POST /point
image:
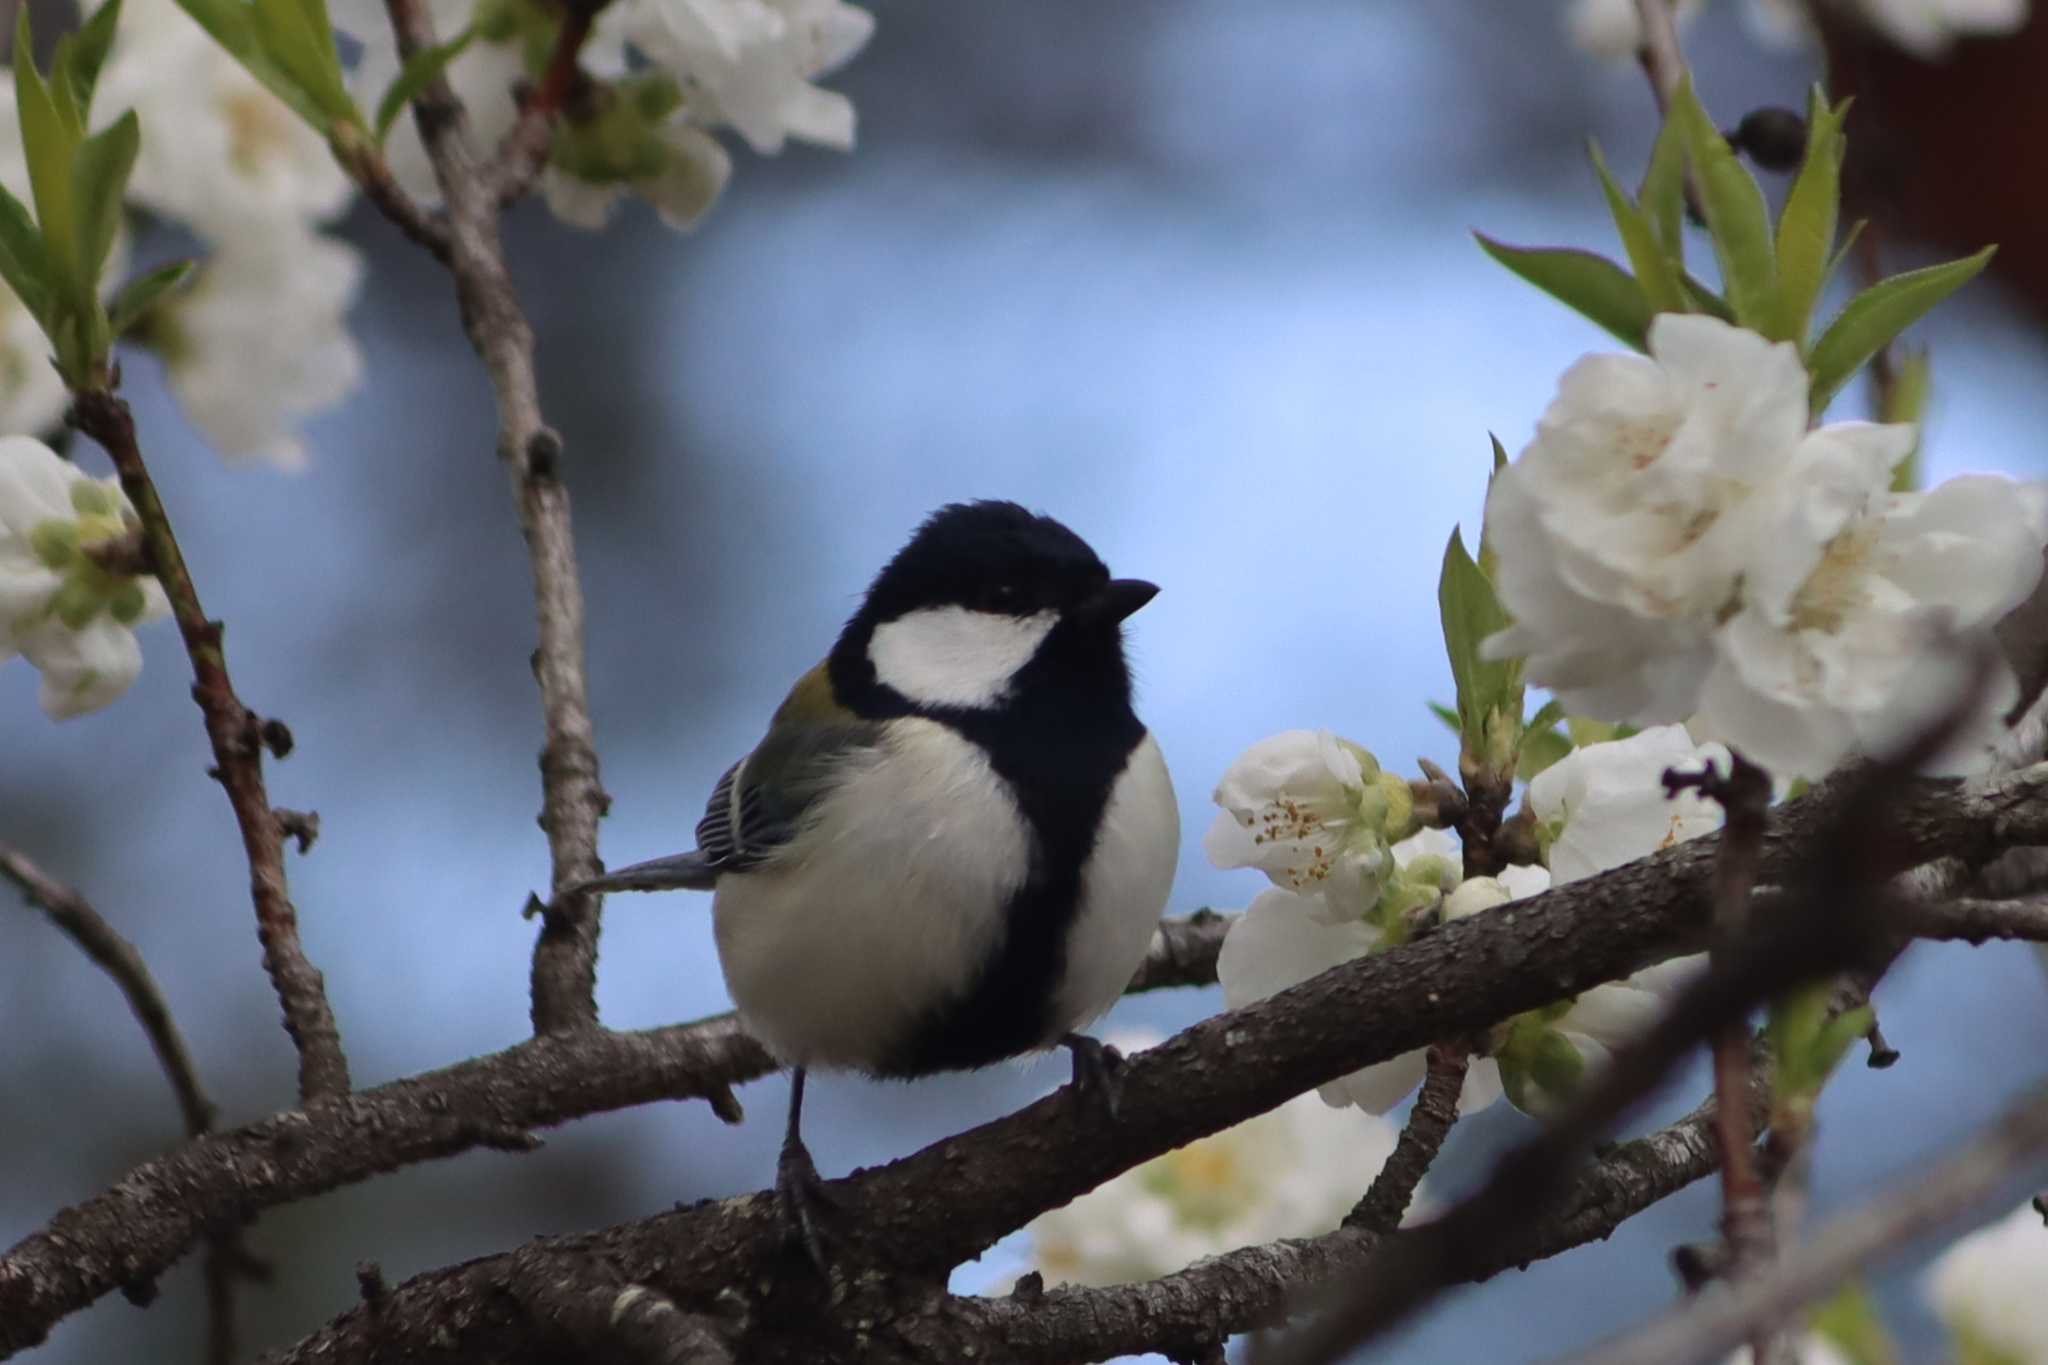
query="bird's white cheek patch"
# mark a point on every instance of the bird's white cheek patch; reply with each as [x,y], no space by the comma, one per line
[950,656]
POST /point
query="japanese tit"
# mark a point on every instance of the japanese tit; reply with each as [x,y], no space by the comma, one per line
[955,840]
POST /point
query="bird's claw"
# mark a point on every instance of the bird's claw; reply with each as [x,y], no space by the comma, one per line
[801,1193]
[1098,1072]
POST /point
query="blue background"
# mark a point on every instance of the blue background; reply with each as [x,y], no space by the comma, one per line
[1194,277]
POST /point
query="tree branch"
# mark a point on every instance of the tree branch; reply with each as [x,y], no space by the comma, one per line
[137,1229]
[1707,1327]
[565,957]
[1422,1137]
[1662,60]
[236,735]
[524,151]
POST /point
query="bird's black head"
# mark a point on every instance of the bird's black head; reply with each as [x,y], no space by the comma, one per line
[987,601]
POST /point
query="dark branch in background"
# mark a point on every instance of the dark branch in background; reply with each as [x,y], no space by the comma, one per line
[1710,1326]
[1422,1137]
[1744,795]
[572,800]
[226,1261]
[236,734]
[136,1230]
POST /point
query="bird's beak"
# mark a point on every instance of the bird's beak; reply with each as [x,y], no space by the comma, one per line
[1115,600]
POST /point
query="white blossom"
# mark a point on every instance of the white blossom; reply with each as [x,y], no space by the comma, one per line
[261,341]
[1625,528]
[32,397]
[1314,813]
[1603,805]
[1858,620]
[58,608]
[219,152]
[1987,1288]
[1810,1349]
[484,77]
[1925,28]
[1294,1171]
[1285,938]
[750,63]
[1613,29]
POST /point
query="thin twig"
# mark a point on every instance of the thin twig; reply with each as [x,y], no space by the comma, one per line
[236,735]
[1422,1137]
[366,165]
[1662,60]
[226,1261]
[564,977]
[524,151]
[1977,921]
[1707,1328]
[119,959]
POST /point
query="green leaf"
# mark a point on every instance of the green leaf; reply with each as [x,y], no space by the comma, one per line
[232,24]
[1806,227]
[1445,714]
[86,53]
[1663,193]
[48,144]
[418,74]
[24,261]
[1471,611]
[1489,559]
[1654,271]
[142,294]
[1500,454]
[1705,300]
[1540,749]
[1849,240]
[1877,315]
[1550,714]
[1850,1323]
[99,179]
[1737,217]
[1592,285]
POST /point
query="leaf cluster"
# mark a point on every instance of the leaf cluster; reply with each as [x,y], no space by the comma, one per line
[1772,275]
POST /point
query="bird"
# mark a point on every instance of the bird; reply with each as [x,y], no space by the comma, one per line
[954,843]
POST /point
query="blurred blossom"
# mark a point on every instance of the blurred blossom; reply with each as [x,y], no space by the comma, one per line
[1925,28]
[261,341]
[693,173]
[59,609]
[1811,1349]
[1613,29]
[1987,1288]
[1294,1171]
[219,152]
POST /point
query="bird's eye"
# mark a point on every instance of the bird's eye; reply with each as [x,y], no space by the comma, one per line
[1000,597]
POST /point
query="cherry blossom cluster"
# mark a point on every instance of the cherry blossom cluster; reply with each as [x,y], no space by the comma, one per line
[1600,806]
[1678,544]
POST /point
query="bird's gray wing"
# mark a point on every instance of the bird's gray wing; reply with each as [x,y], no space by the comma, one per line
[758,806]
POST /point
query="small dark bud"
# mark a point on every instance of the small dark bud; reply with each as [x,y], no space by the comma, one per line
[543,452]
[1774,138]
[1030,1287]
[370,1281]
[277,737]
[141,1293]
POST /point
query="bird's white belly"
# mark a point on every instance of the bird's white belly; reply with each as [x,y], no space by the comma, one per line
[890,904]
[1124,887]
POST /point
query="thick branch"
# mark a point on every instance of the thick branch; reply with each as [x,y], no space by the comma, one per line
[1709,1326]
[137,1229]
[572,800]
[236,735]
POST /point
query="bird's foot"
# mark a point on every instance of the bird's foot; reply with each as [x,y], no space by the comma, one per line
[801,1192]
[1098,1072]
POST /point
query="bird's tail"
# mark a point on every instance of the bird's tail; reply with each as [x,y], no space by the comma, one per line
[677,872]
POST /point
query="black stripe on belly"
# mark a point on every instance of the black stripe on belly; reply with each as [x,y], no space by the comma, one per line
[1061,754]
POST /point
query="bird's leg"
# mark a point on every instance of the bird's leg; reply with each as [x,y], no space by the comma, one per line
[798,1187]
[1098,1072]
